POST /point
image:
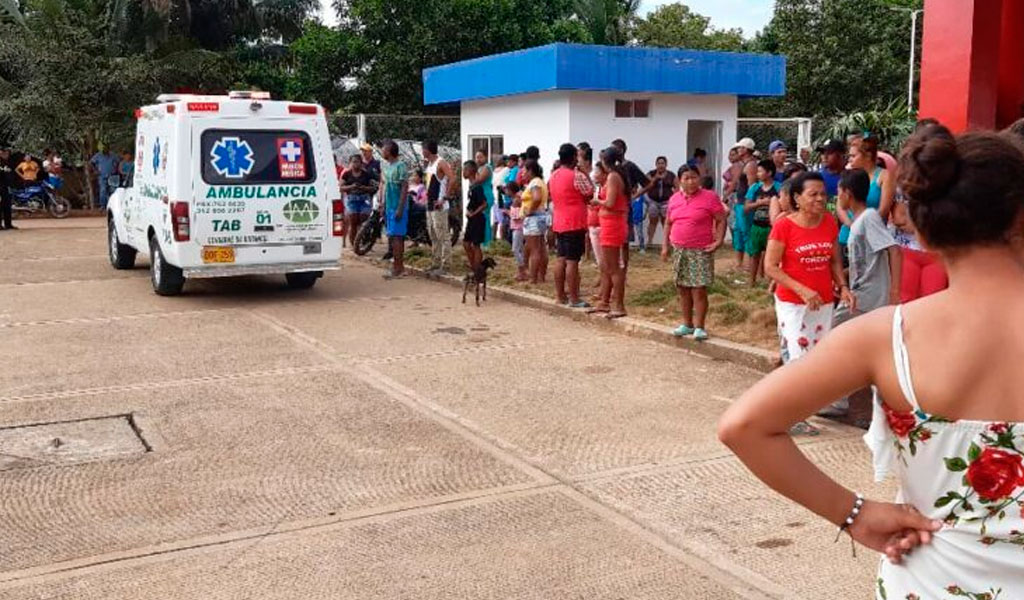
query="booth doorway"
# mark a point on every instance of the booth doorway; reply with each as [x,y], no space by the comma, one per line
[708,136]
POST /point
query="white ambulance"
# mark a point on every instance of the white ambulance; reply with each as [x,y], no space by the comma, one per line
[229,185]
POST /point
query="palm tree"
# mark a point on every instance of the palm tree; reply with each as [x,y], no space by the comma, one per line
[610,22]
[215,23]
[10,11]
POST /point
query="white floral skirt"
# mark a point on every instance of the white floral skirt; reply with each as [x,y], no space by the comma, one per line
[800,329]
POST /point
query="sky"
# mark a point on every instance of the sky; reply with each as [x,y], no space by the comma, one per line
[748,15]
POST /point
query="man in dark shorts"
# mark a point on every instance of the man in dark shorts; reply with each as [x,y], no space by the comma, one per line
[473,237]
[570,190]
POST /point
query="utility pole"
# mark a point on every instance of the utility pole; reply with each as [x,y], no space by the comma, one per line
[913,52]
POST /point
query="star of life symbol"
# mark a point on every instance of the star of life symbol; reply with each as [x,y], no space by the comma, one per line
[156,155]
[232,157]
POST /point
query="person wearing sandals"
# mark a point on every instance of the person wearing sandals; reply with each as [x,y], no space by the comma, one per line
[949,416]
[804,262]
[393,188]
[570,190]
[536,220]
[695,223]
[613,205]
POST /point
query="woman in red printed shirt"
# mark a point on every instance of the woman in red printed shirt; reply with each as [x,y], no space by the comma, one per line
[804,261]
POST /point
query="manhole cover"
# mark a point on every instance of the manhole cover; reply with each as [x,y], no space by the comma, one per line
[66,442]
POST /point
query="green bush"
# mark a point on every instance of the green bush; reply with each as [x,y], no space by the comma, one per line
[719,286]
[655,296]
[731,312]
[499,248]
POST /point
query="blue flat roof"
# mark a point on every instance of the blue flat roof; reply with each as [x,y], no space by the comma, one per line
[606,69]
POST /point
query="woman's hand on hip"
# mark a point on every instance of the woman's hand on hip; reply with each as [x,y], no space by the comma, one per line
[894,530]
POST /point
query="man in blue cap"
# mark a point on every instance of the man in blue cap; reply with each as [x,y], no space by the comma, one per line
[833,163]
[778,152]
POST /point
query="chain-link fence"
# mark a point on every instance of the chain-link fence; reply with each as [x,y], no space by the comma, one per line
[409,131]
[796,132]
[377,128]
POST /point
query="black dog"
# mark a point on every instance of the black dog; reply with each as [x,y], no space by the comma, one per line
[478,277]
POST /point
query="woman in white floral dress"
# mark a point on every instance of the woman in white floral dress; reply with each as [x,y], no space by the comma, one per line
[948,374]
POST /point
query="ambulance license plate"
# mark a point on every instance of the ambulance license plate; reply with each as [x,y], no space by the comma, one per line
[218,254]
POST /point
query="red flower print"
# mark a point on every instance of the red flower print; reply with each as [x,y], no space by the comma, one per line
[996,473]
[901,423]
[803,342]
[819,328]
[803,326]
[924,435]
[954,589]
[998,428]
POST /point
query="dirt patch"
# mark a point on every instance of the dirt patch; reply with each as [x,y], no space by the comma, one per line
[737,312]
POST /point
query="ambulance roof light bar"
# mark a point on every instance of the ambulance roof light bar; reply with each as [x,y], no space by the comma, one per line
[248,95]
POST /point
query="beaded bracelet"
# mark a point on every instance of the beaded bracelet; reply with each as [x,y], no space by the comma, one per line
[848,522]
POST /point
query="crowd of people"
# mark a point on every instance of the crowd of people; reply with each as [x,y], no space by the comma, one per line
[22,169]
[947,418]
[833,240]
[19,170]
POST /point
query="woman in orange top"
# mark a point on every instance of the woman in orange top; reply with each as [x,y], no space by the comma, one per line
[613,204]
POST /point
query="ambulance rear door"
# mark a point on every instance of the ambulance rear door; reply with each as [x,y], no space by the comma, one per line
[257,187]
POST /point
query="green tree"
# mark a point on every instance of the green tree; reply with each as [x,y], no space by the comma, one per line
[394,41]
[10,11]
[675,25]
[64,85]
[609,22]
[842,55]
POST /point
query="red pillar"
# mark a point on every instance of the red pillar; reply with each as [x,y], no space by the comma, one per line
[960,62]
[1011,64]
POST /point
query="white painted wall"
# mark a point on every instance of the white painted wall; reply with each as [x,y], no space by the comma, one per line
[540,120]
[664,133]
[549,119]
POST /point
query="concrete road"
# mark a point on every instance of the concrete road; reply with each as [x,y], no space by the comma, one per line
[370,439]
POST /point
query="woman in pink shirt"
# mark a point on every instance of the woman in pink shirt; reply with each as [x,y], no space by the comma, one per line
[696,228]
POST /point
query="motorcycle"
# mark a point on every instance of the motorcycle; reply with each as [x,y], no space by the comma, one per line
[38,197]
[371,229]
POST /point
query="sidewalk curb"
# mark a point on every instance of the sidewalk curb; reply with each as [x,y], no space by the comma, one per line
[717,349]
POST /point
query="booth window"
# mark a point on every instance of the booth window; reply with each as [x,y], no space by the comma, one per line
[632,109]
[493,147]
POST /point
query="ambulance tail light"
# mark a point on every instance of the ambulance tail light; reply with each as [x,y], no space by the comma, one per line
[337,218]
[302,109]
[180,224]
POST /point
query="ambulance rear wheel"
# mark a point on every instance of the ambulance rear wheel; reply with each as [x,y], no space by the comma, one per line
[168,280]
[303,281]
